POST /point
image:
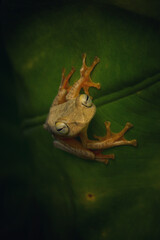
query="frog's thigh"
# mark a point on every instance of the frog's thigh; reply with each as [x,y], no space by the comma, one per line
[74,147]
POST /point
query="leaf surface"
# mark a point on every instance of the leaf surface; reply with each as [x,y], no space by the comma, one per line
[88,200]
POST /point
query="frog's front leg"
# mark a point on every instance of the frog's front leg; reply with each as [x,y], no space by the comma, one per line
[75,147]
[85,81]
[108,141]
[63,88]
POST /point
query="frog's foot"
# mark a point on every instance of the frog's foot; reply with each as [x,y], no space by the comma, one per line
[109,140]
[65,79]
[102,157]
[115,139]
[85,81]
[85,74]
[108,132]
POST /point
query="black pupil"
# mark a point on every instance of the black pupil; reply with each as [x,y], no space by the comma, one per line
[59,129]
[87,98]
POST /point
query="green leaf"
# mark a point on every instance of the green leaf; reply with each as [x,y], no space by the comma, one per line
[68,197]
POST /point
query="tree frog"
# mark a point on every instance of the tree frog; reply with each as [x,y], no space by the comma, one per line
[71,113]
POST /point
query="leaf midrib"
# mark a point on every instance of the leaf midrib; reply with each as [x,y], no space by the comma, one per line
[100,101]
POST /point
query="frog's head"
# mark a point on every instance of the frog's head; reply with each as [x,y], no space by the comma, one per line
[72,117]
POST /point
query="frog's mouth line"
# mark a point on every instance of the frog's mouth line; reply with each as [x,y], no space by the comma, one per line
[100,101]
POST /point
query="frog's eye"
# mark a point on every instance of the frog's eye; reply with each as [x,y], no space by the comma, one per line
[62,128]
[85,100]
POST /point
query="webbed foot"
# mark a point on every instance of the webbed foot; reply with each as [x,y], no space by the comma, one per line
[115,139]
[85,74]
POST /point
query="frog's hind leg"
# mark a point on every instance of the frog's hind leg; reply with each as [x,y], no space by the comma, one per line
[109,140]
[75,147]
[63,88]
[102,157]
[85,81]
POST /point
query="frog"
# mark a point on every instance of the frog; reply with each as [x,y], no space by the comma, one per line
[70,114]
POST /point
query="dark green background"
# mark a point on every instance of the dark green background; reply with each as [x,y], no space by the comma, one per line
[45,192]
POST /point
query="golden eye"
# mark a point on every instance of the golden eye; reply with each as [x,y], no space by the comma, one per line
[85,100]
[62,128]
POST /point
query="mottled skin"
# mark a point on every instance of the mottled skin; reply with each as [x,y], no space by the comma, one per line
[67,108]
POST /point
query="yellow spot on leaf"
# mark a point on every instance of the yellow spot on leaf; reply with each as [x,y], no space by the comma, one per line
[90,197]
